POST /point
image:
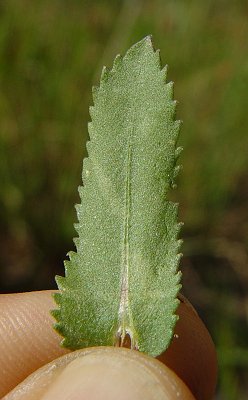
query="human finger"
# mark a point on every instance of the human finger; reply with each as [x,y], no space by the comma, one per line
[192,354]
[103,373]
[29,341]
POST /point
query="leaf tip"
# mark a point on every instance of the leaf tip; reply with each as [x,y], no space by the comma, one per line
[149,39]
[144,45]
[148,42]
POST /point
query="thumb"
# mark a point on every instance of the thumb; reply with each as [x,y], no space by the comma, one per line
[103,373]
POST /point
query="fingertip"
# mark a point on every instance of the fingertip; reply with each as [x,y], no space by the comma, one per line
[103,373]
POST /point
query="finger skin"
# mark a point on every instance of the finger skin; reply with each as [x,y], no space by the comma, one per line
[103,373]
[29,342]
[192,354]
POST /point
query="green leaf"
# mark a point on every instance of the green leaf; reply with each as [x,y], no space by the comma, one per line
[122,282]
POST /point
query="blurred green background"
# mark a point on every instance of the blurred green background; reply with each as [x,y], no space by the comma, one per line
[51,53]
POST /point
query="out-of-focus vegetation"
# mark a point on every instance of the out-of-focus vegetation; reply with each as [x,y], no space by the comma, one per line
[50,55]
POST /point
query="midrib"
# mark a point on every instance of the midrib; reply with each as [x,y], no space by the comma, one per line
[124,313]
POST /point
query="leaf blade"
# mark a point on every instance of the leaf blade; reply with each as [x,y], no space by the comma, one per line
[123,278]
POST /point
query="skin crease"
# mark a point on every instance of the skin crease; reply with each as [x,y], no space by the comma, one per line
[28,342]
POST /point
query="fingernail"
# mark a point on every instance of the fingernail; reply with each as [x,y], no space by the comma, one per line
[107,375]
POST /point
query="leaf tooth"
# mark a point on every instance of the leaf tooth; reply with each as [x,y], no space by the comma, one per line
[60,329]
[172,209]
[179,243]
[91,133]
[170,89]
[174,290]
[174,175]
[78,207]
[67,267]
[104,75]
[175,103]
[117,62]
[95,92]
[176,170]
[79,211]
[67,342]
[86,162]
[180,225]
[158,58]
[67,264]
[92,112]
[178,275]
[176,246]
[88,148]
[178,151]
[86,169]
[89,143]
[177,228]
[76,226]
[70,266]
[76,241]
[175,242]
[179,256]
[61,280]
[57,298]
[81,194]
[177,125]
[173,184]
[171,108]
[72,255]
[164,72]
[56,313]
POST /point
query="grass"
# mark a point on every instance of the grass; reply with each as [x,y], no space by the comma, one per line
[51,54]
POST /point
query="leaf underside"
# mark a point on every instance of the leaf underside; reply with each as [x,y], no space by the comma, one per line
[123,279]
